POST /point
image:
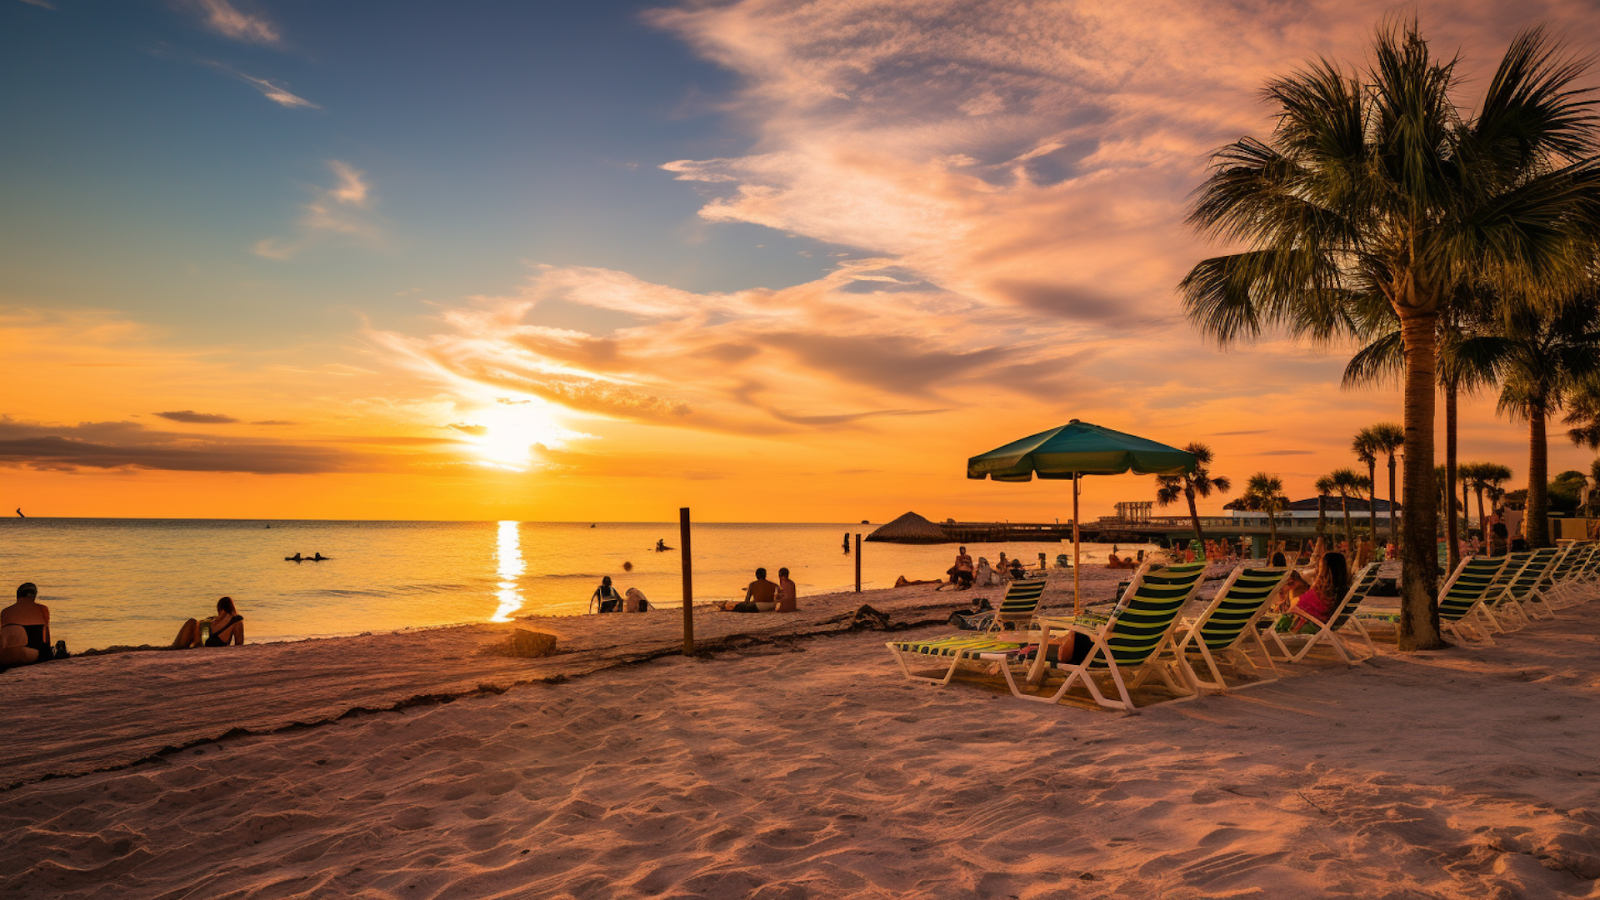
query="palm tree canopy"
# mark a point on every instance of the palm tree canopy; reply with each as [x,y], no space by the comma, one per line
[1373,192]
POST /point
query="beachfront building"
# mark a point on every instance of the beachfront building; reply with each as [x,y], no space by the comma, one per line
[1301,511]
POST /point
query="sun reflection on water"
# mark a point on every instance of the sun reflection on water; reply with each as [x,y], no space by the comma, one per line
[508,565]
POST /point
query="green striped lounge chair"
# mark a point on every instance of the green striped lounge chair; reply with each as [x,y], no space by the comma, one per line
[1345,618]
[1518,599]
[1220,633]
[953,651]
[1461,599]
[1019,606]
[1579,581]
[1126,643]
[1496,595]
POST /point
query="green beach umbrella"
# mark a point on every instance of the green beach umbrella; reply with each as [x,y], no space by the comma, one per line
[1072,451]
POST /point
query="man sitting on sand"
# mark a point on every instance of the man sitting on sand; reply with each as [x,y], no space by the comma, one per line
[960,573]
[760,596]
[786,592]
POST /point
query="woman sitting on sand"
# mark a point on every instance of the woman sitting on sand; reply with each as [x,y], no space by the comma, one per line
[227,627]
[635,601]
[985,575]
[610,601]
[903,581]
[25,630]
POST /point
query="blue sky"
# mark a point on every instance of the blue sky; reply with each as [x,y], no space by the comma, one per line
[144,167]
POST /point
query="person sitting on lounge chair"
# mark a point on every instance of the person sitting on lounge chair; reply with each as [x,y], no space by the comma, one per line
[1318,599]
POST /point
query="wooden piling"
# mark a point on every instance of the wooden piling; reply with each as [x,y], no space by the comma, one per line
[858,562]
[688,582]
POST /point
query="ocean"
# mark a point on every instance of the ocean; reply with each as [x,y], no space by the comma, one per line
[134,581]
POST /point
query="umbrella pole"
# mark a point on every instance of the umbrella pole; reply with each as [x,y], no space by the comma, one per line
[1077,601]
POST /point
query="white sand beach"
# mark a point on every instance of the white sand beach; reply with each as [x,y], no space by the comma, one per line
[791,766]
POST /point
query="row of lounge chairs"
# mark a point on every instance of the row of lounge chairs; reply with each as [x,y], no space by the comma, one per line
[1144,636]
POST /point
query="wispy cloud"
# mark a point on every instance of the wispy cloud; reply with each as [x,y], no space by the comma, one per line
[278,93]
[189,416]
[128,445]
[42,4]
[339,212]
[272,90]
[229,21]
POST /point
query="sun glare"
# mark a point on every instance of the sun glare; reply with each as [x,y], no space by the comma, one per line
[511,429]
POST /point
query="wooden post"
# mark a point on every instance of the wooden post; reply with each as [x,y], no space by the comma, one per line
[858,562]
[1077,562]
[688,583]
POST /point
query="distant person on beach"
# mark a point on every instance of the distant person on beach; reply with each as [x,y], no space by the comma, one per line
[984,576]
[960,573]
[760,596]
[787,595]
[903,581]
[1119,562]
[25,630]
[635,601]
[606,596]
[227,627]
[1017,571]
[661,545]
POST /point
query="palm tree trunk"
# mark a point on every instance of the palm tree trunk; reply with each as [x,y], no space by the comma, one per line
[1466,511]
[1194,516]
[1322,514]
[1536,524]
[1272,529]
[1418,628]
[1349,535]
[1372,500]
[1483,525]
[1392,524]
[1452,535]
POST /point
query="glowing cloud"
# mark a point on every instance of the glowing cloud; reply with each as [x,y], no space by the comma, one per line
[340,212]
[227,20]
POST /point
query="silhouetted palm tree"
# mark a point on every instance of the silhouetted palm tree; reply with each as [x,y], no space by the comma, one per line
[1373,191]
[1264,493]
[1540,358]
[1200,482]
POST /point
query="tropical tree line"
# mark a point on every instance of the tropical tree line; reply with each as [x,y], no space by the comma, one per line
[1457,242]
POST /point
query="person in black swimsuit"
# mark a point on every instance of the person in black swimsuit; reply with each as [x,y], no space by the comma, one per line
[610,601]
[25,630]
[227,627]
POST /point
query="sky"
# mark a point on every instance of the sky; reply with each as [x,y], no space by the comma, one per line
[772,261]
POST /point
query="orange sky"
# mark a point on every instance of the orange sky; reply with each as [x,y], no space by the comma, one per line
[990,203]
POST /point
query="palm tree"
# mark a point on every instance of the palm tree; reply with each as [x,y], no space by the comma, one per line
[1365,447]
[1264,492]
[1200,482]
[1466,473]
[1373,191]
[1324,487]
[1541,359]
[1489,479]
[1388,438]
[1346,482]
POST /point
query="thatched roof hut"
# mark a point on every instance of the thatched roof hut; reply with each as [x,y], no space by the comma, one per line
[910,529]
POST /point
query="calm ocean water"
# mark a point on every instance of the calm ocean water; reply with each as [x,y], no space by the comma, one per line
[133,581]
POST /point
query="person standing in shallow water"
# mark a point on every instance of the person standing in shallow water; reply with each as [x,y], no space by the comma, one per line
[847,542]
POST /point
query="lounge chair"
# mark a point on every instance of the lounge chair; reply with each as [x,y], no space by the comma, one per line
[1461,598]
[1343,615]
[1219,634]
[1017,609]
[1126,643]
[1509,607]
[1577,583]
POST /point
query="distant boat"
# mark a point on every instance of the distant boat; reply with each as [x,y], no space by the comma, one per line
[19,513]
